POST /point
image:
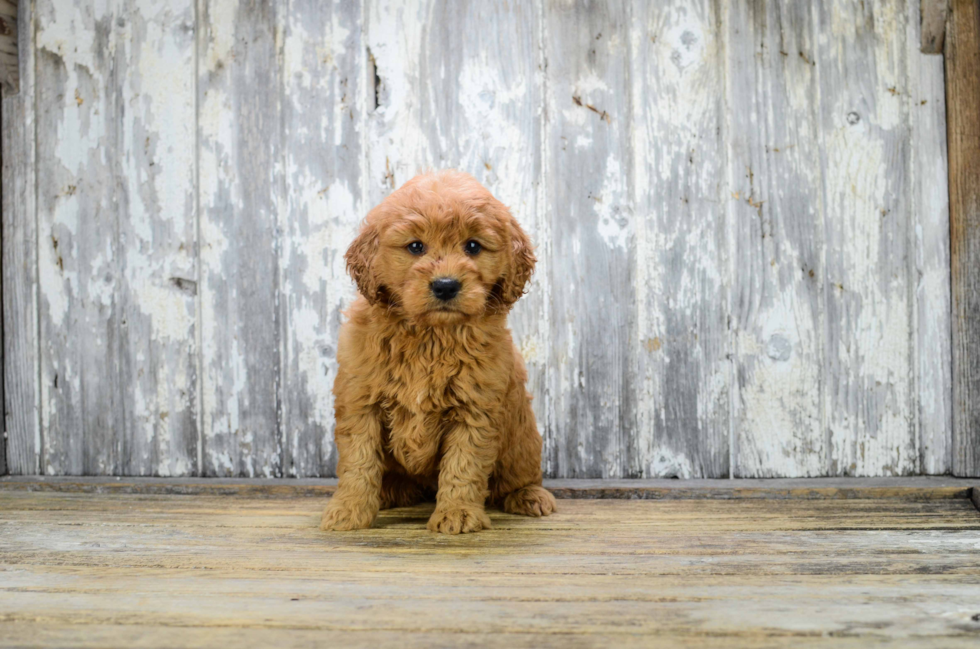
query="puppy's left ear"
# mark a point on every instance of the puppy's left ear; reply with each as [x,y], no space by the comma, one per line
[521,265]
[359,259]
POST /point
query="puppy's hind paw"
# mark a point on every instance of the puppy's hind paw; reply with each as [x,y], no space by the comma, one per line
[458,520]
[532,500]
[341,517]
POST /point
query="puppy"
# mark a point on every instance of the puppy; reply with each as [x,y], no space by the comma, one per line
[429,394]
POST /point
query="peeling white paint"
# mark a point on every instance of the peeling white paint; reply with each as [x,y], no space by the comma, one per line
[670,464]
[686,41]
[613,224]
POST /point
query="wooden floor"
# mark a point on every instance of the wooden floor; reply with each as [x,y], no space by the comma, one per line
[158,570]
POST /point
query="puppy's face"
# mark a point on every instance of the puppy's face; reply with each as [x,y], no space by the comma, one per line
[440,250]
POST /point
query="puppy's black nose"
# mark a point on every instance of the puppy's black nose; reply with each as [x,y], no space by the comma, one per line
[445,288]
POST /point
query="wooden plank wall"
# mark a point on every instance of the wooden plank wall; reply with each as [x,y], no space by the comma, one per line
[739,209]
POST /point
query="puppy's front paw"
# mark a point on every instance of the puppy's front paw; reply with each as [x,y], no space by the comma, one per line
[457,519]
[532,500]
[340,516]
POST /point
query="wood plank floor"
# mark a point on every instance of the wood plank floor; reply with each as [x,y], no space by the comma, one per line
[157,570]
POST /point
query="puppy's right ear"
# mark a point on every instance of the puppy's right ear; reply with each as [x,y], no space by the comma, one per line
[360,257]
[522,264]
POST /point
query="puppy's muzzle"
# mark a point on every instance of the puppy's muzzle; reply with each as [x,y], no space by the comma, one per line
[445,288]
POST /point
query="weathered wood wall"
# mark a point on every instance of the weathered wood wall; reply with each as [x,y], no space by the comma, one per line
[740,210]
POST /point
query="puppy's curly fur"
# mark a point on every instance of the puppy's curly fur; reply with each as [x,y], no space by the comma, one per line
[430,395]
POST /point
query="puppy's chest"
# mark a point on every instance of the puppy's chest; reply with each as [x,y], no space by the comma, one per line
[426,387]
[422,395]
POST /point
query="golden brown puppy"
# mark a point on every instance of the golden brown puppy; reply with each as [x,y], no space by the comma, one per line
[430,394]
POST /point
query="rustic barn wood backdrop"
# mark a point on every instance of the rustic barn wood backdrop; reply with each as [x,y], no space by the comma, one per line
[740,209]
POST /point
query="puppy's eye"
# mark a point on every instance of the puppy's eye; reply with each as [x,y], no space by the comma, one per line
[472,247]
[416,248]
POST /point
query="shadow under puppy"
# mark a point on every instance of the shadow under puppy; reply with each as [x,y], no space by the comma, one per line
[430,395]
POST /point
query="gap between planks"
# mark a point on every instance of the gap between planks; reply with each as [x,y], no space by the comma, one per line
[911,488]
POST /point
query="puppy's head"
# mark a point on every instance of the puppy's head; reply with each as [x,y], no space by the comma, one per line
[441,249]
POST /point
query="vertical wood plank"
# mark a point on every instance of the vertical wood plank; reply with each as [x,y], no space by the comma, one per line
[396,148]
[682,248]
[592,243]
[459,85]
[157,234]
[324,98]
[239,135]
[21,420]
[777,306]
[116,242]
[861,62]
[480,111]
[930,242]
[963,128]
[76,244]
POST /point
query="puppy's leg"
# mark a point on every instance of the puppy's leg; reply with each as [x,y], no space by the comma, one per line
[517,480]
[468,454]
[360,466]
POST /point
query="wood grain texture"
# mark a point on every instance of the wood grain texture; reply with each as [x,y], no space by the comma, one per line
[963,128]
[587,156]
[9,46]
[774,203]
[21,405]
[865,147]
[116,240]
[323,106]
[672,572]
[929,272]
[782,403]
[76,247]
[157,233]
[241,189]
[933,16]
[683,241]
[397,147]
